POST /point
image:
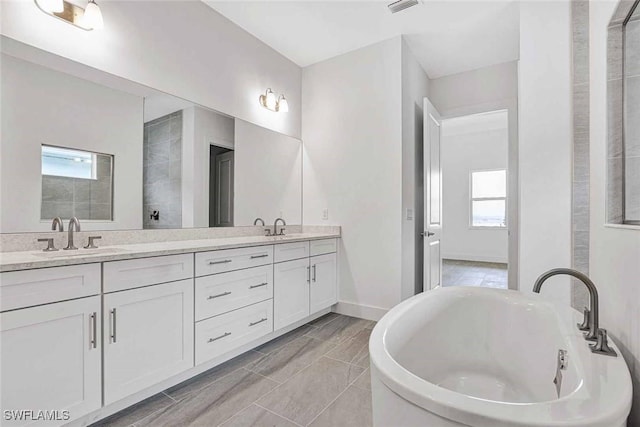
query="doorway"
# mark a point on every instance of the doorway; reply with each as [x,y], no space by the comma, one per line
[475,198]
[221,179]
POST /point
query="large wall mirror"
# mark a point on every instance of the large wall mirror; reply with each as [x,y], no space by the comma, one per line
[78,142]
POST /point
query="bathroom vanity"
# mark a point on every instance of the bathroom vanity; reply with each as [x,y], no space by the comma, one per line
[93,332]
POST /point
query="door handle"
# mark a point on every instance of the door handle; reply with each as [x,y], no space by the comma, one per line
[112,314]
[427,234]
[94,330]
[314,272]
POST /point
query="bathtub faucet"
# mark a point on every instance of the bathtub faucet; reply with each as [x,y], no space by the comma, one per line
[591,315]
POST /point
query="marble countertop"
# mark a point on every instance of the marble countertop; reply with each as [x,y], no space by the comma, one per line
[13,261]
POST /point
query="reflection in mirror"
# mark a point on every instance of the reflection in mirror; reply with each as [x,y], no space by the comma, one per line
[169,162]
[76,183]
[631,98]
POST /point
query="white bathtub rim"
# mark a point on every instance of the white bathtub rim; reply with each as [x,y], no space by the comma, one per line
[577,408]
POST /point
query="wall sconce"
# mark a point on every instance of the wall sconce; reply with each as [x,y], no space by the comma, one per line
[88,19]
[269,101]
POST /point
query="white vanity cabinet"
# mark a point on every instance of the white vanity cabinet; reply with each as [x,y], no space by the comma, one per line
[290,292]
[148,336]
[50,359]
[323,289]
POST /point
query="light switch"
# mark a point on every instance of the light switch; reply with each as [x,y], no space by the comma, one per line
[325,214]
[409,214]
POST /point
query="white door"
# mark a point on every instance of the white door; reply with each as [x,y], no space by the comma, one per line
[290,292]
[323,290]
[51,359]
[432,234]
[148,337]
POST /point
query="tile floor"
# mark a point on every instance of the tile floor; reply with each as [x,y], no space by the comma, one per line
[316,375]
[472,273]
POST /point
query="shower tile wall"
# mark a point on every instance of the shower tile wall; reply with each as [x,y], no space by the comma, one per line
[162,171]
[580,183]
[88,199]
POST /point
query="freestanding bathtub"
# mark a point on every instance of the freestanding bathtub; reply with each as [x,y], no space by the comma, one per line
[467,356]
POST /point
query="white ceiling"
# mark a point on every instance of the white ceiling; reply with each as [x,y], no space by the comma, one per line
[446,36]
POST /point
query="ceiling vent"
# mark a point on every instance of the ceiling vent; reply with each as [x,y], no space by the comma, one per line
[400,5]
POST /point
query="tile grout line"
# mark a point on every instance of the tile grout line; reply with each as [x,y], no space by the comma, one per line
[263,376]
[272,412]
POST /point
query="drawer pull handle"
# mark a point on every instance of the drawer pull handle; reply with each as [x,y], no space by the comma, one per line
[258,286]
[226,334]
[94,330]
[264,319]
[219,295]
[224,261]
[259,256]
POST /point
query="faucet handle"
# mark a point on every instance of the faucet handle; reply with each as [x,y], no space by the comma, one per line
[586,322]
[602,344]
[50,246]
[281,231]
[91,244]
[267,232]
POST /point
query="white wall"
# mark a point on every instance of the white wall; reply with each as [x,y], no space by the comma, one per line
[352,133]
[200,129]
[268,176]
[415,87]
[471,143]
[614,252]
[205,57]
[42,106]
[545,93]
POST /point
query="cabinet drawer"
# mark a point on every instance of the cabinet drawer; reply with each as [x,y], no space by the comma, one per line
[289,251]
[135,273]
[45,285]
[224,292]
[223,333]
[324,246]
[232,259]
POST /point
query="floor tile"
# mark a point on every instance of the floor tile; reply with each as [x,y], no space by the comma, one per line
[215,403]
[304,396]
[351,409]
[354,349]
[323,320]
[472,273]
[198,383]
[364,380]
[283,340]
[255,416]
[282,364]
[340,329]
[137,412]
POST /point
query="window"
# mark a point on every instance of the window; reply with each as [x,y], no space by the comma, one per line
[489,198]
[68,163]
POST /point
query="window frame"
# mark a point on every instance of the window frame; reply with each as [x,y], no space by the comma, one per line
[481,199]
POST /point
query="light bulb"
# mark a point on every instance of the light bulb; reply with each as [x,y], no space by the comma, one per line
[51,6]
[271,102]
[283,105]
[93,16]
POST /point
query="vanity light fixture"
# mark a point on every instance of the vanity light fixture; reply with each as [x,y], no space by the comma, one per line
[269,101]
[89,18]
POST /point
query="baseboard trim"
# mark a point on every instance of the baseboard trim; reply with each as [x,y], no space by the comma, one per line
[478,258]
[360,310]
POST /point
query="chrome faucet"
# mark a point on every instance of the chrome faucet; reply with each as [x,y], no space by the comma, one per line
[73,224]
[57,223]
[259,220]
[275,227]
[591,315]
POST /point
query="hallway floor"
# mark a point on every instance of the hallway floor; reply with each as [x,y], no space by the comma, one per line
[473,273]
[316,375]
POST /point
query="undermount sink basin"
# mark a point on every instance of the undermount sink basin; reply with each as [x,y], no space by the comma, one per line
[80,252]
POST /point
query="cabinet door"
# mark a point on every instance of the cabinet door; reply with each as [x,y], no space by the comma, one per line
[290,292]
[148,335]
[50,359]
[324,290]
